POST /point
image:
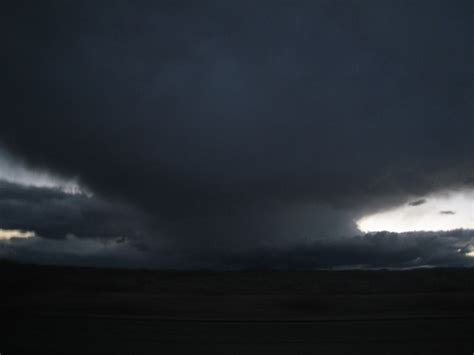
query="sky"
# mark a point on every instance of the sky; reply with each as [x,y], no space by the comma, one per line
[235,134]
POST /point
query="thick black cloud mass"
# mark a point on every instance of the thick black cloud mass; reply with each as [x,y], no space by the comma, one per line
[54,214]
[379,250]
[236,123]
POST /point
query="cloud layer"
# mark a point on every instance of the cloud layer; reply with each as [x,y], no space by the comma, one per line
[53,214]
[378,250]
[233,126]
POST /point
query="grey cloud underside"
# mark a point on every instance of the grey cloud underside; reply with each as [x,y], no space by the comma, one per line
[235,124]
[397,250]
[379,250]
[53,214]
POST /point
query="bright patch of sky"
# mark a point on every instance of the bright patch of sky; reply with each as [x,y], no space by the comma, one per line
[437,212]
[7,234]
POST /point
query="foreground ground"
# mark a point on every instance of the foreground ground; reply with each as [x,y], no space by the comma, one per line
[66,310]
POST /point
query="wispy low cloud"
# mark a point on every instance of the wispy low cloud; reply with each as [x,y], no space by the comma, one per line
[447,212]
[417,202]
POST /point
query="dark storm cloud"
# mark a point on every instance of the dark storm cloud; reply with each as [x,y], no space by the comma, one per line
[114,252]
[417,202]
[397,250]
[222,118]
[378,250]
[53,214]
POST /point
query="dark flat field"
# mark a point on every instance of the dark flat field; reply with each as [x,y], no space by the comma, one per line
[70,310]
